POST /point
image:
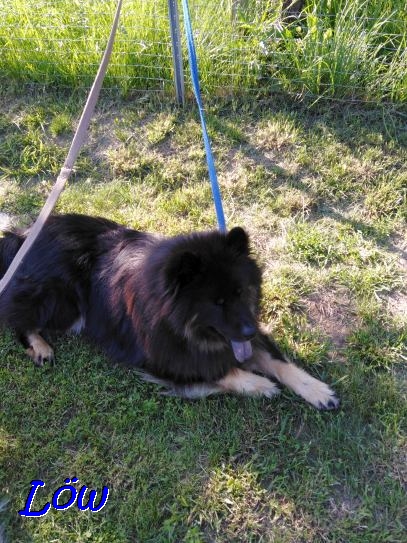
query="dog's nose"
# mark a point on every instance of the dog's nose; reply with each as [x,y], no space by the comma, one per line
[248,331]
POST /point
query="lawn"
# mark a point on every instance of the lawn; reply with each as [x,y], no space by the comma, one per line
[322,191]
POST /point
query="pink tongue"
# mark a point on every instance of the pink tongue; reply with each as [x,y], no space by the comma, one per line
[242,350]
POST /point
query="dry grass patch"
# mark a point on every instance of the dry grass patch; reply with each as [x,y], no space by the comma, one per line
[279,133]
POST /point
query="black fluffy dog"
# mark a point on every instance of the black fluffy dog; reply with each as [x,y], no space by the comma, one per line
[183,309]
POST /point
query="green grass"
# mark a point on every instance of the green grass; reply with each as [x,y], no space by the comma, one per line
[347,49]
[335,48]
[323,196]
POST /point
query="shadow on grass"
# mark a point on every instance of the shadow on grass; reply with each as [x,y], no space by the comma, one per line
[355,128]
[223,469]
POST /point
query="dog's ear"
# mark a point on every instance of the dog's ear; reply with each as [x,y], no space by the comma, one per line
[183,268]
[238,240]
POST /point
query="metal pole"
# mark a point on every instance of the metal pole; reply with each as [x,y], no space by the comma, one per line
[176,52]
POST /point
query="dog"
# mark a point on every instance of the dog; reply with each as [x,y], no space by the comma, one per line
[183,310]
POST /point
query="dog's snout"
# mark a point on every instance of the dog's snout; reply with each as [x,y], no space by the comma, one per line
[248,331]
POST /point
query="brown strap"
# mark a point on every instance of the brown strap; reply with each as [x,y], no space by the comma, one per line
[73,152]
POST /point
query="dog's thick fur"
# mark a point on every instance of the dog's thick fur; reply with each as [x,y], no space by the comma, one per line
[169,306]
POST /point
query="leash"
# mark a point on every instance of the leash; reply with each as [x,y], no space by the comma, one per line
[241,349]
[73,152]
[81,133]
[197,91]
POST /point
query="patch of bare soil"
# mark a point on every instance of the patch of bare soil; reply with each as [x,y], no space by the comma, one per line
[102,137]
[333,314]
[399,466]
[397,305]
[342,505]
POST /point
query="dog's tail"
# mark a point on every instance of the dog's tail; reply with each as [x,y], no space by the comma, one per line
[9,245]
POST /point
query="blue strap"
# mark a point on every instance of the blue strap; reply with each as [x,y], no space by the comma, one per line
[197,91]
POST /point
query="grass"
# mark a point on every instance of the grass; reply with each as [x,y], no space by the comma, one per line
[343,48]
[335,48]
[323,194]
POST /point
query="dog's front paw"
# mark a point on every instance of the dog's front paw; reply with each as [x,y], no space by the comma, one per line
[319,394]
[248,383]
[268,389]
[39,350]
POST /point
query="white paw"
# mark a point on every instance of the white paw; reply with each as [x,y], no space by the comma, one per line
[318,394]
[39,350]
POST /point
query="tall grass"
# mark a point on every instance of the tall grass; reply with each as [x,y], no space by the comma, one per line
[61,42]
[346,49]
[340,48]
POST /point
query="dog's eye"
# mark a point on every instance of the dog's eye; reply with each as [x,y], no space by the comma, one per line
[238,291]
[220,301]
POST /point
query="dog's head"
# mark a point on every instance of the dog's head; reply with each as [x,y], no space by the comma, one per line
[215,284]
